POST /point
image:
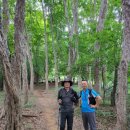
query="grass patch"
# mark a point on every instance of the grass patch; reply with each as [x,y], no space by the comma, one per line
[28,126]
[103,114]
[31,103]
[77,112]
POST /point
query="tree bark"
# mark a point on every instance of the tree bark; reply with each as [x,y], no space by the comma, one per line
[36,72]
[79,81]
[0,18]
[29,55]
[46,45]
[31,73]
[25,79]
[1,67]
[29,59]
[21,48]
[113,93]
[13,82]
[5,28]
[123,70]
[1,75]
[19,39]
[12,108]
[100,27]
[75,28]
[5,21]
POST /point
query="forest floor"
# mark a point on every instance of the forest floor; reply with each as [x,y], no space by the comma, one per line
[42,114]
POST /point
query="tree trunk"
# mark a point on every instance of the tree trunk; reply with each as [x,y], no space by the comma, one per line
[54,50]
[114,86]
[0,17]
[1,67]
[46,45]
[121,95]
[5,21]
[72,30]
[96,75]
[21,48]
[36,78]
[31,74]
[75,28]
[19,39]
[13,82]
[29,58]
[104,81]
[36,72]
[1,75]
[113,93]
[31,71]
[90,74]
[25,80]
[12,108]
[5,28]
[100,27]
[123,70]
[79,81]
[70,33]
[87,72]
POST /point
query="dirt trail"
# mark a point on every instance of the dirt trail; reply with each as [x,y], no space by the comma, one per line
[46,111]
[48,106]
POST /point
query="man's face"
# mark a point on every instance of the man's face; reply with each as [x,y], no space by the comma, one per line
[67,85]
[84,84]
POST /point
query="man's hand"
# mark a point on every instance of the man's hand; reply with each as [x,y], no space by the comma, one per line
[60,101]
[93,106]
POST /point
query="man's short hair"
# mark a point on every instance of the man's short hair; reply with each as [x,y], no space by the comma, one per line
[85,80]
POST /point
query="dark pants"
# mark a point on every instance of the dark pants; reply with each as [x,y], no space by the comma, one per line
[66,116]
[89,119]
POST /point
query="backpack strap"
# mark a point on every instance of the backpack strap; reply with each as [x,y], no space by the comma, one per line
[80,94]
[90,92]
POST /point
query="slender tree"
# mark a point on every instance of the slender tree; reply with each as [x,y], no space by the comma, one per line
[123,70]
[100,27]
[29,57]
[24,74]
[19,40]
[113,93]
[20,48]
[72,31]
[54,47]
[46,45]
[114,90]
